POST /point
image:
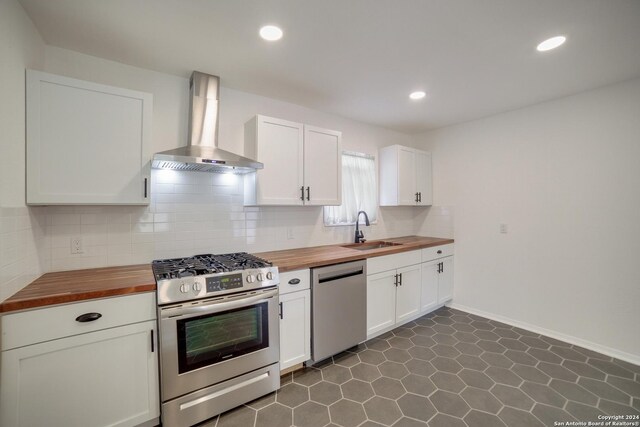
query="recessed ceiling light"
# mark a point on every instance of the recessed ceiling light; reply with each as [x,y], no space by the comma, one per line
[551,43]
[271,33]
[417,95]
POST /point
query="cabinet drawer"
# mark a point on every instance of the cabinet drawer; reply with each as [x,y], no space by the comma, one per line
[286,279]
[31,327]
[391,262]
[436,252]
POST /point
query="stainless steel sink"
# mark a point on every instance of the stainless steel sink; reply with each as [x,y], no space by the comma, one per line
[371,245]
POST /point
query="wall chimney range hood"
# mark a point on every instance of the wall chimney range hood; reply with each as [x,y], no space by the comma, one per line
[202,152]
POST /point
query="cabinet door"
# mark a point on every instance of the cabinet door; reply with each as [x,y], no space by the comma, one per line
[295,328]
[445,280]
[408,293]
[381,301]
[280,148]
[429,296]
[86,143]
[406,176]
[104,378]
[423,178]
[322,167]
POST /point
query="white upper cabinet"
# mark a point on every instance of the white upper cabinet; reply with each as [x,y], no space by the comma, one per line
[301,163]
[86,143]
[405,177]
[322,166]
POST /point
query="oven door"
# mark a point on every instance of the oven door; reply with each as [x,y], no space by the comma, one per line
[206,342]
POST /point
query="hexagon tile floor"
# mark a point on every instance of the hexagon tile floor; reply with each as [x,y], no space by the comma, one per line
[449,368]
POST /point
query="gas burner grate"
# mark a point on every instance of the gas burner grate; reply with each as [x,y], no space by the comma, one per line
[205,264]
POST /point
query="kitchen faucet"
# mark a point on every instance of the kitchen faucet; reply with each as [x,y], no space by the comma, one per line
[359,235]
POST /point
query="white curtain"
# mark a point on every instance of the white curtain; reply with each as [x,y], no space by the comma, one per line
[358,191]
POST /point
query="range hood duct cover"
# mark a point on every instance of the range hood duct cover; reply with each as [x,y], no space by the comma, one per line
[202,153]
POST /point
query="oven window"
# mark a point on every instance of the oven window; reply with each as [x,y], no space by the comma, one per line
[212,338]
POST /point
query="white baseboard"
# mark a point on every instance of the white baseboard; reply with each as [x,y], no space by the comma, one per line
[627,357]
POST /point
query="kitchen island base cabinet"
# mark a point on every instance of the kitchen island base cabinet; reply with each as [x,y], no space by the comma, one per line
[295,318]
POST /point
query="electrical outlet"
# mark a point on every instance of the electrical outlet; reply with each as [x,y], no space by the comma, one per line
[76,245]
[290,233]
[504,228]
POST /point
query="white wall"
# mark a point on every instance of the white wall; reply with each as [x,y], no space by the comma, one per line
[21,230]
[565,177]
[195,212]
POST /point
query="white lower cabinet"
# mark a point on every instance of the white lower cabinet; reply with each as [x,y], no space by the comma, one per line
[295,318]
[106,377]
[408,293]
[404,286]
[437,276]
[429,296]
[393,296]
[445,280]
[381,296]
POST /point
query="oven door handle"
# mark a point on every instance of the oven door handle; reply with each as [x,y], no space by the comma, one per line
[214,307]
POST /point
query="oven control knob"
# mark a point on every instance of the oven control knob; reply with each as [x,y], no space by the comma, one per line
[184,288]
[269,275]
[197,286]
[250,278]
[260,277]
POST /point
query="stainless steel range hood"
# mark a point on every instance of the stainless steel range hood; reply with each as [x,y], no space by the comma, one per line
[201,152]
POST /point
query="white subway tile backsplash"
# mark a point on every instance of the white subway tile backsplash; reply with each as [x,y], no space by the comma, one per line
[189,213]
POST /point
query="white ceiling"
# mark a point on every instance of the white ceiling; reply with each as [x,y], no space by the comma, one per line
[361,58]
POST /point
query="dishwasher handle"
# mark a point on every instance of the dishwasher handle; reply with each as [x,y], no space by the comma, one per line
[340,274]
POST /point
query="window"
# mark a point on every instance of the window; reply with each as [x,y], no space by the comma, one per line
[358,191]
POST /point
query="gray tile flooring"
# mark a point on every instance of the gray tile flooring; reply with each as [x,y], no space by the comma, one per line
[449,368]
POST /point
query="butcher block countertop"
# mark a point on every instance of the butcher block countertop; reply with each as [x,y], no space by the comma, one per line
[317,256]
[77,285]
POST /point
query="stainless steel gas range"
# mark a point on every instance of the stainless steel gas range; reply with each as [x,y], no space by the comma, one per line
[218,326]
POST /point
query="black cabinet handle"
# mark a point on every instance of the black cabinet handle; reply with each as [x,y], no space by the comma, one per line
[145,188]
[294,281]
[400,279]
[308,193]
[420,197]
[439,252]
[153,348]
[281,311]
[395,280]
[416,197]
[88,317]
[302,193]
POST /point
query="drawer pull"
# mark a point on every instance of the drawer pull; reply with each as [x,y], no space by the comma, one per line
[88,317]
[294,281]
[439,252]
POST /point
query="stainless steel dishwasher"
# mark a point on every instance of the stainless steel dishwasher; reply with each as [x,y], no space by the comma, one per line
[339,308]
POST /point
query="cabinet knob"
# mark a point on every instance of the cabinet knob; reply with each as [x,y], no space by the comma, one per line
[294,281]
[439,252]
